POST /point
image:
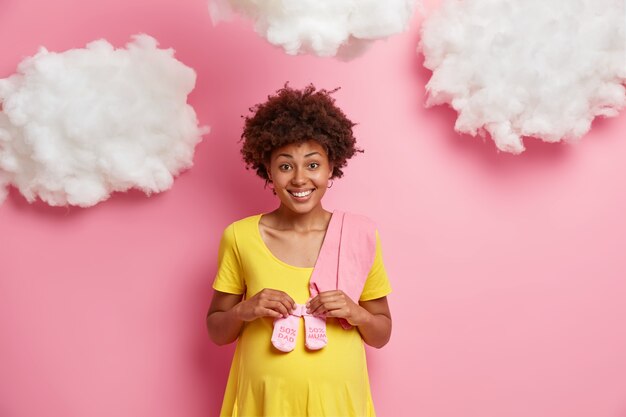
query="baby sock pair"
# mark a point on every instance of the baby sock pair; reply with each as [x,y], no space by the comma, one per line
[286,330]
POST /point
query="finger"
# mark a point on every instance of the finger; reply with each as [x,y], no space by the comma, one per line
[269,294]
[262,311]
[340,313]
[321,308]
[268,312]
[329,307]
[291,304]
[313,301]
[335,305]
[328,298]
[279,307]
[284,298]
[331,293]
[313,308]
[313,304]
[287,306]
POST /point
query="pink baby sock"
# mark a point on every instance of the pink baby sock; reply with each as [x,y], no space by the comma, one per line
[315,331]
[285,332]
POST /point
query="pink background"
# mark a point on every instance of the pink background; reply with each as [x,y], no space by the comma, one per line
[508,271]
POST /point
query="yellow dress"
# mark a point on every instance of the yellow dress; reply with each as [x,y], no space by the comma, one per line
[263,381]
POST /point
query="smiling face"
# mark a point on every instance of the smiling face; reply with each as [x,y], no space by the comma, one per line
[300,174]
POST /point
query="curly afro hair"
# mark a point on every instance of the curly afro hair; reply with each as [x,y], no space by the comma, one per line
[296,116]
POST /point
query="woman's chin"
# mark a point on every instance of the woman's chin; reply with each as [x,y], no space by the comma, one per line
[299,207]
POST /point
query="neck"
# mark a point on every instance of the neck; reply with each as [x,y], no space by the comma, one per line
[315,219]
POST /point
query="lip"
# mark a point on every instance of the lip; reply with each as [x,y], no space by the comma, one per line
[301,199]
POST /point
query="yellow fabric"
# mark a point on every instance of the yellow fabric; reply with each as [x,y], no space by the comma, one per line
[331,382]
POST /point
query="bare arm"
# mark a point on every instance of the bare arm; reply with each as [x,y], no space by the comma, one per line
[375,326]
[372,317]
[228,312]
[222,322]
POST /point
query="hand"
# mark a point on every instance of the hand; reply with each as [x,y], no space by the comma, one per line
[337,304]
[265,303]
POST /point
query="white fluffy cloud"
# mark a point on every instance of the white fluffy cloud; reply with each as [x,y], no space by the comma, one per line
[78,125]
[539,68]
[323,27]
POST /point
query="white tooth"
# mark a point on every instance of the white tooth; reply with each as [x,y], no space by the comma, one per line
[302,194]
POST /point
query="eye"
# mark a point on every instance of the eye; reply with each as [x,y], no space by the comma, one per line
[314,165]
[284,167]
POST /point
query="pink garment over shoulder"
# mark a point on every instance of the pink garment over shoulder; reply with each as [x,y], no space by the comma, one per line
[346,257]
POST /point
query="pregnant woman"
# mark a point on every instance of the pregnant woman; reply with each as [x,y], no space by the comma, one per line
[300,289]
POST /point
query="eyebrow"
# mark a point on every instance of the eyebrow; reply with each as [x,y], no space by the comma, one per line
[306,156]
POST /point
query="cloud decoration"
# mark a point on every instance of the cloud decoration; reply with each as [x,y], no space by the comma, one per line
[324,27]
[78,125]
[537,68]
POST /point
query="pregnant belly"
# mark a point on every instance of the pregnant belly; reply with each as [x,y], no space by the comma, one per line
[342,359]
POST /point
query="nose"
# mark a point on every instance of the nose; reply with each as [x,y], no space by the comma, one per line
[299,177]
